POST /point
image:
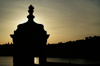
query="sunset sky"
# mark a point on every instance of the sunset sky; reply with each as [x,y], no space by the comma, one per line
[64,20]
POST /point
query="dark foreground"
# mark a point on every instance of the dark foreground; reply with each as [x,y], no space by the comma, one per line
[64,64]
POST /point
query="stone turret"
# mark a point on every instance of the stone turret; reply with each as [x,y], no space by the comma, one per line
[29,41]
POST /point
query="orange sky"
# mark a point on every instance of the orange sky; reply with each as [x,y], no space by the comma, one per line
[64,20]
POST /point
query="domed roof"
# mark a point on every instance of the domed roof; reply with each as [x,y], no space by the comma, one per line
[30,28]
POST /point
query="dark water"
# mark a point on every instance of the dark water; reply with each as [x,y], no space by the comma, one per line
[8,61]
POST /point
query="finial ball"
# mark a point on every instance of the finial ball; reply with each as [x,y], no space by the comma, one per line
[31,7]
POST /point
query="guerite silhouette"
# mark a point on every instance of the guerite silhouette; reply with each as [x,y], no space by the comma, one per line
[29,41]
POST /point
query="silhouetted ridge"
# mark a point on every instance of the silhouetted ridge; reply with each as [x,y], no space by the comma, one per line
[85,49]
